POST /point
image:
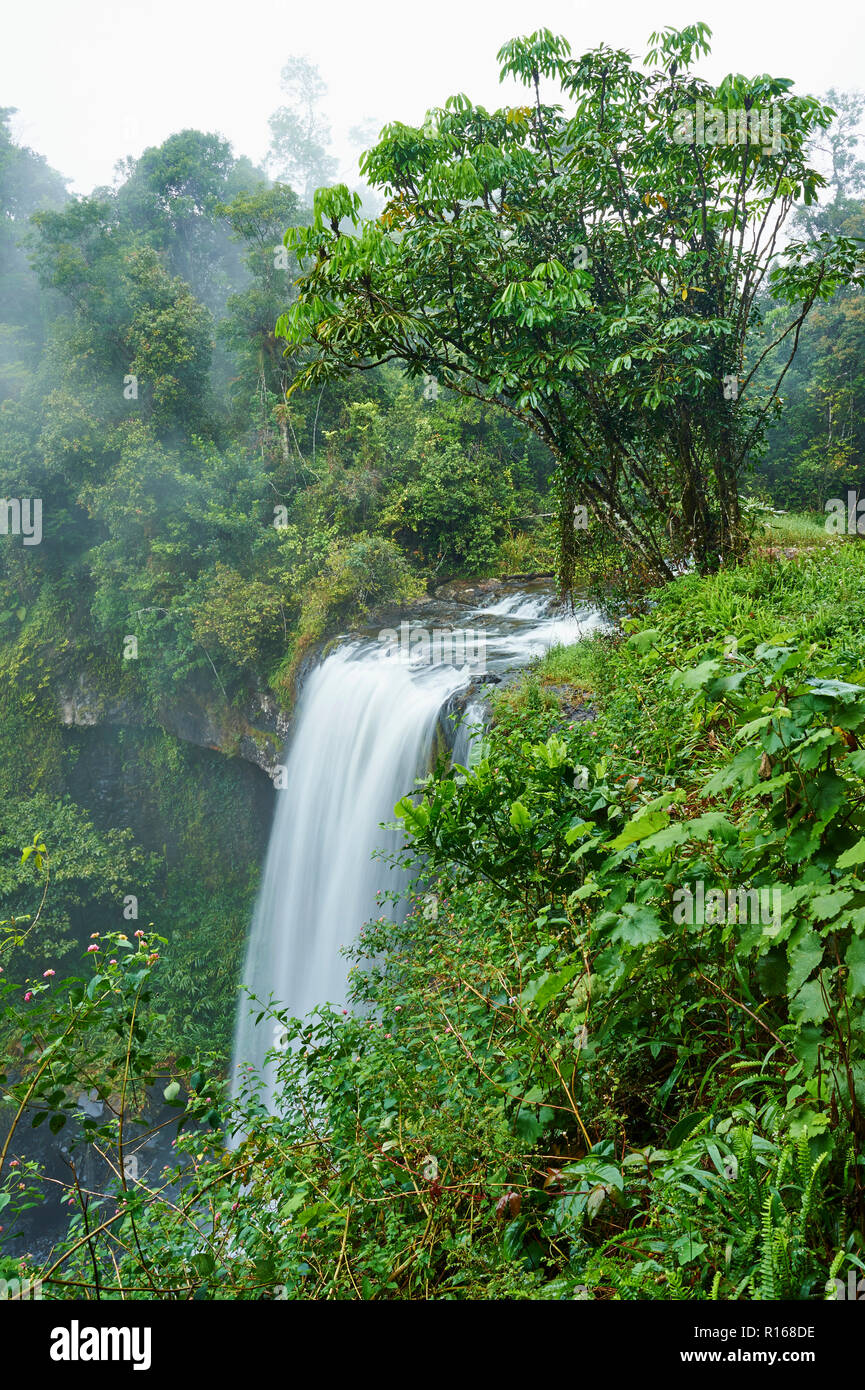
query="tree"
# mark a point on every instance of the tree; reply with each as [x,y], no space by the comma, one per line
[27,183]
[257,219]
[594,271]
[131,320]
[847,176]
[299,134]
[818,451]
[173,195]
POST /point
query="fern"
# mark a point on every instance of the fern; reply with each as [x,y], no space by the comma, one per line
[767,1271]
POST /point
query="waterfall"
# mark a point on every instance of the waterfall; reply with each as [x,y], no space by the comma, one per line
[364,731]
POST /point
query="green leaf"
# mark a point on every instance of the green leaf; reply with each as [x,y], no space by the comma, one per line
[854,855]
[854,959]
[527,1125]
[808,1006]
[828,905]
[772,971]
[688,1248]
[804,958]
[639,829]
[638,926]
[643,642]
[578,831]
[674,834]
[747,730]
[698,676]
[415,817]
[685,1127]
[712,823]
[839,690]
[554,985]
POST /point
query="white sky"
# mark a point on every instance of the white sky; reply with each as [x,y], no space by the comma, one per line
[94,80]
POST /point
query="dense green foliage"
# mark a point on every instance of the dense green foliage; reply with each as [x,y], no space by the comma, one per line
[592,273]
[200,537]
[816,452]
[550,1084]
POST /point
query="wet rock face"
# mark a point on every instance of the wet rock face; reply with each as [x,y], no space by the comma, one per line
[473,590]
[257,732]
[468,590]
[573,707]
[82,706]
[115,774]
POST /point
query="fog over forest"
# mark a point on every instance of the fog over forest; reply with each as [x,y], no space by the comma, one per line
[432,672]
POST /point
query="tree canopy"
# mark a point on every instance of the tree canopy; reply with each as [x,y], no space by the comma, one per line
[592,266]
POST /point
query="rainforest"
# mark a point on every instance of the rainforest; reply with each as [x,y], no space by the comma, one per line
[432,698]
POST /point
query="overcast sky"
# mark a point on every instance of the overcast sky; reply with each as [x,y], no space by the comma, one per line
[94,80]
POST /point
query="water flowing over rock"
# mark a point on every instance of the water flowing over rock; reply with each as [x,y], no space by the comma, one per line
[364,731]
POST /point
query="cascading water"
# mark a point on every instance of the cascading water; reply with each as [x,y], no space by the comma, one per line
[364,731]
[365,728]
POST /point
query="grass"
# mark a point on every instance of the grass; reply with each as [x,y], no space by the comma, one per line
[816,597]
[797,528]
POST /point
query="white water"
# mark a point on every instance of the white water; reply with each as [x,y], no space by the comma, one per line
[364,731]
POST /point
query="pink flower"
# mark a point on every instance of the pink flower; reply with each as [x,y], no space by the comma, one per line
[90,949]
[398,1008]
[28,996]
[387,1035]
[139,932]
[14,1163]
[112,962]
[46,974]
